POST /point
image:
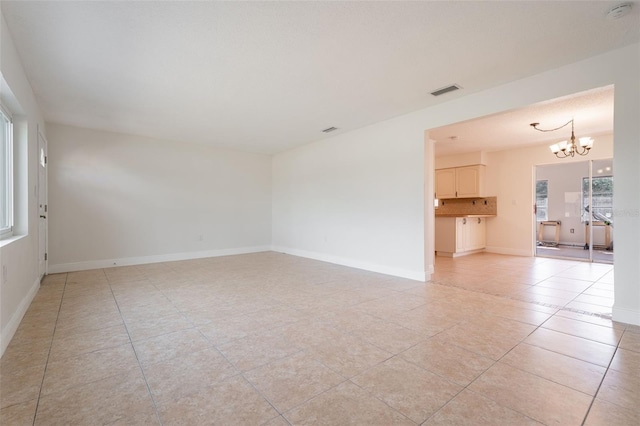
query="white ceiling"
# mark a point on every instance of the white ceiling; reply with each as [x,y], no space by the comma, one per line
[268,76]
[591,111]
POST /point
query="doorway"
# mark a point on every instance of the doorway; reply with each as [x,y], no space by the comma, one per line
[574,210]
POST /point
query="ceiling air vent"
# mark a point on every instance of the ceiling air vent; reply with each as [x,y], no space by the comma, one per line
[330,129]
[444,90]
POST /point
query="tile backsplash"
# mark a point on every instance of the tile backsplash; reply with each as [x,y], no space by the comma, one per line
[464,206]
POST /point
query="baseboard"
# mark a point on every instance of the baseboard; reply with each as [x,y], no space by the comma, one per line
[568,244]
[141,260]
[421,276]
[509,251]
[12,326]
[627,316]
[459,254]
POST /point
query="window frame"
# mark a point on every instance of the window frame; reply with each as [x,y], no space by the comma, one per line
[7,147]
[587,217]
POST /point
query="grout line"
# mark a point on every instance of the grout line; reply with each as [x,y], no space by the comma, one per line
[379,398]
[495,362]
[44,374]
[546,305]
[595,395]
[268,401]
[144,377]
[240,372]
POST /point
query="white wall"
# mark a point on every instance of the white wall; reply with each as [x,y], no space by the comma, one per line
[20,255]
[355,199]
[512,173]
[372,168]
[122,199]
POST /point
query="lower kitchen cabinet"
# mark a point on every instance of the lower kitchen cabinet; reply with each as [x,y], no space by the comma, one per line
[457,236]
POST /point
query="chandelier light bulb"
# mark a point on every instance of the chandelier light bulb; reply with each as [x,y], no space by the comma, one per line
[586,142]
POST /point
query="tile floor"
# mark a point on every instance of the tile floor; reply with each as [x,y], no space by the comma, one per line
[274,339]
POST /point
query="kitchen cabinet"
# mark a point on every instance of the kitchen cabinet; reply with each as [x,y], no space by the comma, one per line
[457,236]
[460,182]
[446,183]
[476,234]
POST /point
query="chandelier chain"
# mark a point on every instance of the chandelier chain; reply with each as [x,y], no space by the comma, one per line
[551,130]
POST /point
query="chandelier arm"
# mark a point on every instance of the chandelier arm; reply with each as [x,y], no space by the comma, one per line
[583,151]
[565,154]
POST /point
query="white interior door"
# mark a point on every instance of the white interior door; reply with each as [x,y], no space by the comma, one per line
[42,203]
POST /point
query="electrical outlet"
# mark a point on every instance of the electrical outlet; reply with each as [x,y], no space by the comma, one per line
[572,230]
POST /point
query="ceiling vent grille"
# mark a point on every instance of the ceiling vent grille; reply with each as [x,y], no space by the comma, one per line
[330,129]
[447,89]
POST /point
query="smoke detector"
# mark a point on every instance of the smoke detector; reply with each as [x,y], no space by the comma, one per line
[619,11]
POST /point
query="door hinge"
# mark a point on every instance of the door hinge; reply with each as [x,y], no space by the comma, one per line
[45,256]
[45,159]
[45,208]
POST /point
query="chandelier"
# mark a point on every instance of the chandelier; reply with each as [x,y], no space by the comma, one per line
[568,148]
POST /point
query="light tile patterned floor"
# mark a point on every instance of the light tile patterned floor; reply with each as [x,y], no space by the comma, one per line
[274,339]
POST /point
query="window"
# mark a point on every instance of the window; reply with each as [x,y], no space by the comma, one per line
[602,198]
[6,174]
[542,202]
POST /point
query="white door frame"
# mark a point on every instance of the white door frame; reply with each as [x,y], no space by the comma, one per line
[43,208]
[589,164]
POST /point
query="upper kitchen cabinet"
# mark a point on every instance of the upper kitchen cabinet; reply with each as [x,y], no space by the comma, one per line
[446,183]
[460,182]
